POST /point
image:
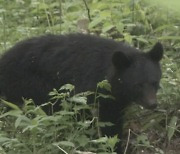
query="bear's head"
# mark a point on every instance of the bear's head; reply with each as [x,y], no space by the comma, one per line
[137,76]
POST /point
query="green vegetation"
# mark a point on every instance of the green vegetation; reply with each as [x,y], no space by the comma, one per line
[140,23]
[71,130]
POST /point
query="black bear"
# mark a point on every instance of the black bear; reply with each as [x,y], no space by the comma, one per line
[32,68]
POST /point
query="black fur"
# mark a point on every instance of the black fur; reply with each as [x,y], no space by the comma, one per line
[35,66]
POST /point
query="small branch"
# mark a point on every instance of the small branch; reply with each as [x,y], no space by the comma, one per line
[60,13]
[61,149]
[81,152]
[88,10]
[129,133]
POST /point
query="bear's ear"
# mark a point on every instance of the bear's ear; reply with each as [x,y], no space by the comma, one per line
[120,60]
[156,53]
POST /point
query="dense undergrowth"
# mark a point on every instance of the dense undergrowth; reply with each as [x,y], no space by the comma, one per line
[140,23]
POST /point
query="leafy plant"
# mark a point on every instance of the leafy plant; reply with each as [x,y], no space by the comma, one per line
[70,129]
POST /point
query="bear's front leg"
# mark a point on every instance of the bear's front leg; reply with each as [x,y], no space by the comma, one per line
[110,112]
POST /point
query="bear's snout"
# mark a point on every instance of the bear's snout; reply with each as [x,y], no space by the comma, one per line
[152,104]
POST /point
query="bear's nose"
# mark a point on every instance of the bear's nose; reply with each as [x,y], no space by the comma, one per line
[152,104]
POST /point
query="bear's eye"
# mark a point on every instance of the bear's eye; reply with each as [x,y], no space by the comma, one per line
[119,80]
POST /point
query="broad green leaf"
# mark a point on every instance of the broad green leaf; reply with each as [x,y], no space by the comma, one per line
[100,95]
[85,94]
[9,104]
[83,140]
[107,28]
[169,38]
[104,124]
[80,100]
[120,27]
[14,113]
[85,124]
[141,39]
[100,140]
[65,143]
[4,139]
[22,120]
[81,107]
[69,87]
[95,22]
[66,113]
[104,85]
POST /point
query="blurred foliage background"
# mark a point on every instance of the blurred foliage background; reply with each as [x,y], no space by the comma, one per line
[140,23]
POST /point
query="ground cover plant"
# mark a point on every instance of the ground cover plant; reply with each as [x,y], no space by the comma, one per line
[69,130]
[139,23]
